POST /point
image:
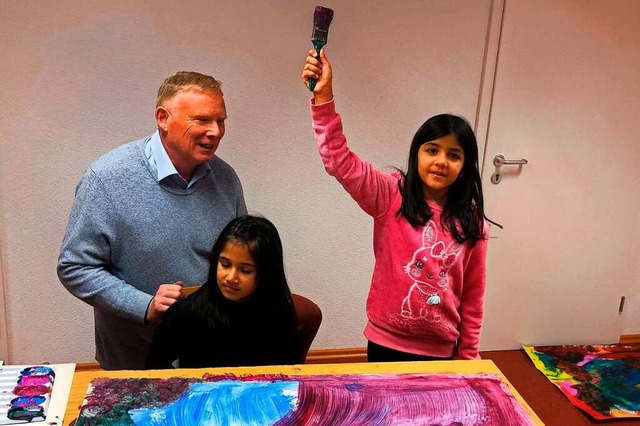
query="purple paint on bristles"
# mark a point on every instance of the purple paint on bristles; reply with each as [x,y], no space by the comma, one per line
[322,17]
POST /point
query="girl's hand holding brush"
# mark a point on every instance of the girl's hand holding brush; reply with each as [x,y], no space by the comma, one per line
[320,71]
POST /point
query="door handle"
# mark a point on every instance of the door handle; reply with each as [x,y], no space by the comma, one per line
[500,161]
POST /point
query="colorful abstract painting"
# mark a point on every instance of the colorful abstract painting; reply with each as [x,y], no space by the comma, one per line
[602,380]
[374,399]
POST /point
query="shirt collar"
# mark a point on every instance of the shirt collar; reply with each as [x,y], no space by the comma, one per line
[158,157]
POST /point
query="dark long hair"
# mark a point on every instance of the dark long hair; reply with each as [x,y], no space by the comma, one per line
[271,305]
[463,213]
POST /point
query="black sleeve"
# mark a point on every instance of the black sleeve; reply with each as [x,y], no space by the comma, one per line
[166,342]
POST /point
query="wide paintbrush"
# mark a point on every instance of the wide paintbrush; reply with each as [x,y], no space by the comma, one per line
[322,17]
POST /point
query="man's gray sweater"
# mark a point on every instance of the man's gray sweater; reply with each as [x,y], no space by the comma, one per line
[128,234]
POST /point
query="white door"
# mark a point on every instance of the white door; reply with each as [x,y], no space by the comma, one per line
[567,99]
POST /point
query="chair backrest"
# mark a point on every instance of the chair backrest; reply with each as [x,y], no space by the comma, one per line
[188,290]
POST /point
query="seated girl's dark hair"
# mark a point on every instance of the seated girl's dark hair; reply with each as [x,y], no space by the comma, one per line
[271,305]
[463,212]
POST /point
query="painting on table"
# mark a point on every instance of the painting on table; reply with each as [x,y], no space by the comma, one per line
[602,380]
[277,399]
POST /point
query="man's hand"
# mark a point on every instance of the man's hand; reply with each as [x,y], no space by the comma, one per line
[167,295]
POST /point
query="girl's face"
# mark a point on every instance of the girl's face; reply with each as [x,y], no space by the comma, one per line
[236,272]
[440,162]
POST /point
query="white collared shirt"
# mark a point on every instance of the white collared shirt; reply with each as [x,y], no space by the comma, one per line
[167,173]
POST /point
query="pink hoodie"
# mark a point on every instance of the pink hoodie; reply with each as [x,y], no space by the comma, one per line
[427,291]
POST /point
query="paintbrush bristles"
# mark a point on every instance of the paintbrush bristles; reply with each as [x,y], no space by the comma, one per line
[322,17]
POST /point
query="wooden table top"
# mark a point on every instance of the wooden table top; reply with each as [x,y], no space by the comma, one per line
[81,379]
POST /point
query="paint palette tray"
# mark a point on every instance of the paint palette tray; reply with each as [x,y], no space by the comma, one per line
[27,393]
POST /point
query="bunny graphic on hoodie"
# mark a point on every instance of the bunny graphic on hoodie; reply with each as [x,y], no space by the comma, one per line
[428,269]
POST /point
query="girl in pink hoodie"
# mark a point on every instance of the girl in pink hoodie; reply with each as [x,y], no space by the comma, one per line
[430,232]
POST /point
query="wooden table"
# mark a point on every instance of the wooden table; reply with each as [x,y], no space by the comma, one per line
[81,379]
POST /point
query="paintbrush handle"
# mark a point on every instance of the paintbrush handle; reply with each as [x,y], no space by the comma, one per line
[317,45]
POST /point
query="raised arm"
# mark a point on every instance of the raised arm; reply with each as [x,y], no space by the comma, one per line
[370,188]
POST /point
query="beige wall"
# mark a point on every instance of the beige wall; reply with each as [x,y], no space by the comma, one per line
[79,79]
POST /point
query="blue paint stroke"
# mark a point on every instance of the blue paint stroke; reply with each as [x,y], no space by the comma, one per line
[38,370]
[27,401]
[618,380]
[227,402]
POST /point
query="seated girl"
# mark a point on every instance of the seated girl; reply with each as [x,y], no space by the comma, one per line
[242,316]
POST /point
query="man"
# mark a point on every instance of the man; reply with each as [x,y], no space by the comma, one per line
[145,218]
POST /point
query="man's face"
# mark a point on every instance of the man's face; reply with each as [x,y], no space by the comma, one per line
[191,125]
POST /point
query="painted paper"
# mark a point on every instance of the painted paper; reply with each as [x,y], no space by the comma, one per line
[355,399]
[25,393]
[602,380]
